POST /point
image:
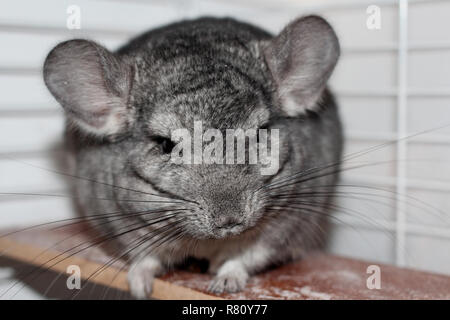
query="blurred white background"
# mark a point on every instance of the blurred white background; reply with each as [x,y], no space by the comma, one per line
[390,82]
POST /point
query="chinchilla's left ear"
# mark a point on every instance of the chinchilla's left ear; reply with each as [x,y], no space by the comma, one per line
[92,85]
[301,59]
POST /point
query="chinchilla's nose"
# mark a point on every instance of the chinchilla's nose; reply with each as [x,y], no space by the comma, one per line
[227,222]
[226,209]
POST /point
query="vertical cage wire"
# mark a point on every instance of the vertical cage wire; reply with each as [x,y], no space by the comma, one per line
[402,120]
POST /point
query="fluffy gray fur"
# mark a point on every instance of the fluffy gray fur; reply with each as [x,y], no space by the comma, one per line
[121,108]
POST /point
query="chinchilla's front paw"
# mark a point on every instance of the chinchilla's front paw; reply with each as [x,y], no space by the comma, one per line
[231,277]
[141,275]
[227,284]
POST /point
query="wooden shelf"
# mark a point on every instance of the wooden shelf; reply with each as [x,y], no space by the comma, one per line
[317,277]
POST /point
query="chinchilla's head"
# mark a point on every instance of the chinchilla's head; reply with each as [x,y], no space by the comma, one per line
[166,87]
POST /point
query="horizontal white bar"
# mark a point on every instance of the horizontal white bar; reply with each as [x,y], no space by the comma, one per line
[24,90]
[390,47]
[24,134]
[411,183]
[79,33]
[379,136]
[365,93]
[33,211]
[27,112]
[26,154]
[314,5]
[429,46]
[390,226]
[104,17]
[20,70]
[14,195]
[392,92]
[37,70]
[32,174]
[428,92]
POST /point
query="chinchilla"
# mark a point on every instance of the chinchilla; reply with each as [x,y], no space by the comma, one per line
[121,110]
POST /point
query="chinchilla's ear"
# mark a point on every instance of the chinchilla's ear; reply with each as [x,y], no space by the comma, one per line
[92,84]
[301,59]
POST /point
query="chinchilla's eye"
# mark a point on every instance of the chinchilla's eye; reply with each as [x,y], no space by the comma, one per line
[165,144]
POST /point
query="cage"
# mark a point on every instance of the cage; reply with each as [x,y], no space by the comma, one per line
[391,83]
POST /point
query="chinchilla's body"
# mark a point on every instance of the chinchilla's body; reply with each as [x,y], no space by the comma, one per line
[122,107]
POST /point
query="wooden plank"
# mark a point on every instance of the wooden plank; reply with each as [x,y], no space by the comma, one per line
[112,277]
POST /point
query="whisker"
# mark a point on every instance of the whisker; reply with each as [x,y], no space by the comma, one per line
[94,198]
[92,227]
[358,196]
[83,217]
[357,154]
[309,210]
[96,243]
[146,238]
[86,219]
[91,180]
[321,175]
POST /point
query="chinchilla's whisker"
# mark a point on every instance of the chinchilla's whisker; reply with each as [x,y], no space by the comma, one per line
[434,210]
[93,198]
[39,268]
[272,220]
[170,237]
[61,273]
[373,223]
[351,156]
[122,216]
[92,226]
[103,239]
[393,142]
[146,237]
[305,173]
[92,180]
[142,253]
[365,197]
[316,238]
[191,246]
[309,208]
[339,194]
[355,154]
[81,219]
[296,208]
[325,174]
[351,212]
[36,269]
[118,255]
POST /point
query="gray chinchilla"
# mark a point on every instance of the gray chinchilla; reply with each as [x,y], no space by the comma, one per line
[122,107]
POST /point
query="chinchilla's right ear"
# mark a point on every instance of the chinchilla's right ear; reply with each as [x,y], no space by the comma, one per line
[92,85]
